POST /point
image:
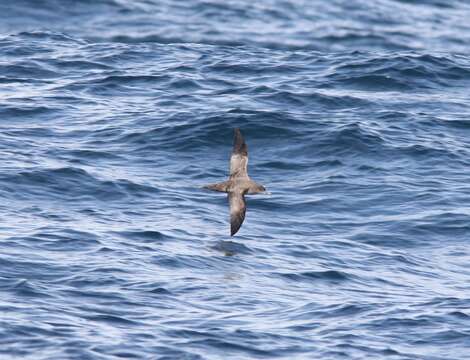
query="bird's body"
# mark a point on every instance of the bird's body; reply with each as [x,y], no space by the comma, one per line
[238,184]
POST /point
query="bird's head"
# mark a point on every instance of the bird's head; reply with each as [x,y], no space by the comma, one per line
[256,189]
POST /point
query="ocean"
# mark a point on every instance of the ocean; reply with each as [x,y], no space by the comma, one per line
[115,113]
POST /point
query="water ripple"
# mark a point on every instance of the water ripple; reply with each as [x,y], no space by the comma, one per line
[116,113]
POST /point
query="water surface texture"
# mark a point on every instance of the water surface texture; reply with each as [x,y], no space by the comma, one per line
[114,113]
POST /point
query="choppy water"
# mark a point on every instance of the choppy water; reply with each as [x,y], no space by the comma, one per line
[114,113]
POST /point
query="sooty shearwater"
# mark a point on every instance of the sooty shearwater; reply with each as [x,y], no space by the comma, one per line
[238,184]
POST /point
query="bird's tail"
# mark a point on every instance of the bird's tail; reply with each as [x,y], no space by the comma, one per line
[222,187]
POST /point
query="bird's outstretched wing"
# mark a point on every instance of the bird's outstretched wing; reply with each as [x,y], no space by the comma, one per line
[237,211]
[239,158]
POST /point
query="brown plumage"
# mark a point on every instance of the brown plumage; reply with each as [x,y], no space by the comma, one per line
[238,184]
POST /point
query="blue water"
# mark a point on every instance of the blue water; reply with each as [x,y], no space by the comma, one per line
[114,113]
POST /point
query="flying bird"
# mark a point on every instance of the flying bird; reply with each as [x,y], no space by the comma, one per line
[238,183]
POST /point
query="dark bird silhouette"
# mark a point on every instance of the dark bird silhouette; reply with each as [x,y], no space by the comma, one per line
[238,184]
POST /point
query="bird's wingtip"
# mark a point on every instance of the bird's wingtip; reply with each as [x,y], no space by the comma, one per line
[239,145]
[234,229]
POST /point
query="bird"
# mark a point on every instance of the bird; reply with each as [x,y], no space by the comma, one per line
[238,184]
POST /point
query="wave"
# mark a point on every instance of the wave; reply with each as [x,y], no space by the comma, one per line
[72,183]
[328,275]
[403,72]
[115,113]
